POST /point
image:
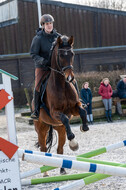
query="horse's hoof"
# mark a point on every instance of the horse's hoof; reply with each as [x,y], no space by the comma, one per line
[84,128]
[62,171]
[45,174]
[71,136]
[73,144]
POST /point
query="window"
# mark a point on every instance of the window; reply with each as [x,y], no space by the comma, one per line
[8,12]
[1,1]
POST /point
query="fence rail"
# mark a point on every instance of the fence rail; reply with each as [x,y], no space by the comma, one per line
[86,60]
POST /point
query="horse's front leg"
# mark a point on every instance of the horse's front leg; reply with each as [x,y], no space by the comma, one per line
[83,115]
[65,120]
[72,143]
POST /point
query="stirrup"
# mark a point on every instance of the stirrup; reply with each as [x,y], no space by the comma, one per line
[35,116]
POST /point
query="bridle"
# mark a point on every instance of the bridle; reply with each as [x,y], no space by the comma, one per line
[62,69]
[58,62]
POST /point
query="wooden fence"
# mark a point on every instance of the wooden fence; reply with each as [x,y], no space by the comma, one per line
[86,60]
[91,27]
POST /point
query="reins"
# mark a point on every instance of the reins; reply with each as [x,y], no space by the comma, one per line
[56,71]
[61,70]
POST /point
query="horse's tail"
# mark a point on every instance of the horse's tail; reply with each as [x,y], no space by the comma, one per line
[49,139]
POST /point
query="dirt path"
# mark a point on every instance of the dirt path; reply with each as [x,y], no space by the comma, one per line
[100,135]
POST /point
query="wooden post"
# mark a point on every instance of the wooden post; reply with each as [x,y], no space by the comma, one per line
[10,177]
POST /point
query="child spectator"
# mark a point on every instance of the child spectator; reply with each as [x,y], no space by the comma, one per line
[105,90]
[86,96]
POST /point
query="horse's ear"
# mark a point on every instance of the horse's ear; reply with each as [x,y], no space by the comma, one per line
[71,40]
[59,41]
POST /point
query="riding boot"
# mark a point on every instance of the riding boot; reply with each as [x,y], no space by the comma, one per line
[107,116]
[110,115]
[91,118]
[35,114]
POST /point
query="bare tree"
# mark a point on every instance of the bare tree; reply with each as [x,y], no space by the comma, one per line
[107,4]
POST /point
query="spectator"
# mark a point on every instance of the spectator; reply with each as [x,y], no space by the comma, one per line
[105,90]
[86,97]
[121,88]
[120,93]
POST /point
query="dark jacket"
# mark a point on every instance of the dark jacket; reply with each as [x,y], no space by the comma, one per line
[121,88]
[86,95]
[105,91]
[40,47]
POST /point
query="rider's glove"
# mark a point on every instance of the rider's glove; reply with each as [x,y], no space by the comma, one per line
[45,63]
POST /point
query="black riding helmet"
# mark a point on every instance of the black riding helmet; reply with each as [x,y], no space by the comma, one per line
[46,18]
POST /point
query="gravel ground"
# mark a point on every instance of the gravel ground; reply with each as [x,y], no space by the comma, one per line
[100,135]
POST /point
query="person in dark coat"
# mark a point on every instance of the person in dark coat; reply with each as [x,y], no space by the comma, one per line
[120,93]
[40,51]
[86,96]
[121,88]
[105,90]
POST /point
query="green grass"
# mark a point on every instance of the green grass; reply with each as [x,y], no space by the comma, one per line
[123,106]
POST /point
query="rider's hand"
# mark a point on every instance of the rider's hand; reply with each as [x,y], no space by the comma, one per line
[45,63]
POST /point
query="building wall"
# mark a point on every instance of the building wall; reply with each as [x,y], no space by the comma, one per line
[91,27]
[99,35]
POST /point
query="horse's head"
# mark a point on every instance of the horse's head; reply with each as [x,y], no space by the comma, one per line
[65,56]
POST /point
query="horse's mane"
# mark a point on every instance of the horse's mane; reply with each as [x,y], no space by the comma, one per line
[65,43]
[64,39]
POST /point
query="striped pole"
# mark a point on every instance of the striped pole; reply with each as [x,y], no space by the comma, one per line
[68,177]
[85,181]
[82,182]
[21,152]
[86,155]
[76,165]
[36,171]
[55,179]
[104,149]
[44,168]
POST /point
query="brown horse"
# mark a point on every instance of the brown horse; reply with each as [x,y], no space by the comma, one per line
[61,98]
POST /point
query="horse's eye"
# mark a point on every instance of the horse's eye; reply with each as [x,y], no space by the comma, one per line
[61,55]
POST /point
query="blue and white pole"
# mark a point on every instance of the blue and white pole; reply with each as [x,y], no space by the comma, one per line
[35,171]
[75,165]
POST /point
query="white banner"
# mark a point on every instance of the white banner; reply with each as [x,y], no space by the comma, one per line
[9,172]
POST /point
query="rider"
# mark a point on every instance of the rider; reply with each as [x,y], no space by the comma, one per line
[40,50]
[40,53]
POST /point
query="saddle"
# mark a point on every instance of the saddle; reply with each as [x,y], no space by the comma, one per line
[42,92]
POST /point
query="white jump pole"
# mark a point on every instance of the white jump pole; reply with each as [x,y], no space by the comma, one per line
[75,165]
[11,178]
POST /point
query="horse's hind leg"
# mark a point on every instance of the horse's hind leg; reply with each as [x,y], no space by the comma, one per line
[72,143]
[61,141]
[42,130]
